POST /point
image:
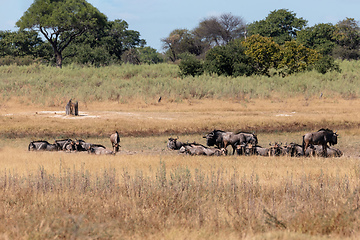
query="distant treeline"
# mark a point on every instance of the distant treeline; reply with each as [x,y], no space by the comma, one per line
[280,44]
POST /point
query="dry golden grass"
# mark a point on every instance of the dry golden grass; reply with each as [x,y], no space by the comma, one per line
[149,192]
[198,116]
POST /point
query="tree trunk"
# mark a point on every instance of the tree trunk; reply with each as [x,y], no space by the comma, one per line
[58,58]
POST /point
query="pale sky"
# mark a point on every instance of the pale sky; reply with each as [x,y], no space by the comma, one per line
[155,19]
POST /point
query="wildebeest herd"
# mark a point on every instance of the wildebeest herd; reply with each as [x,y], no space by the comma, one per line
[77,145]
[244,143]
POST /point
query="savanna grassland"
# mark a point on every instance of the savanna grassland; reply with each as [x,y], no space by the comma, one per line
[149,192]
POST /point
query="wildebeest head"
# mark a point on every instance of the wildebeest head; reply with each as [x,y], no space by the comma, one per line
[214,138]
[174,144]
[331,137]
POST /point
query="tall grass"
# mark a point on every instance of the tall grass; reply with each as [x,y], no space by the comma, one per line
[76,203]
[52,86]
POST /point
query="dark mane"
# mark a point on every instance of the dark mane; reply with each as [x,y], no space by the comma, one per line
[218,131]
[325,129]
[245,133]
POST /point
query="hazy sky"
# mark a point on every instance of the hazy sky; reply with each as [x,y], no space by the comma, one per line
[155,19]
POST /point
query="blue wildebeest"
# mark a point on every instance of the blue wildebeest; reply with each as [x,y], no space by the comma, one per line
[317,151]
[223,139]
[72,108]
[174,144]
[321,137]
[42,146]
[81,145]
[100,150]
[115,141]
[240,138]
[65,144]
[215,138]
[295,150]
[198,149]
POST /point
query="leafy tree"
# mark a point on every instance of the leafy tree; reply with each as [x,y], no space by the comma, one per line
[295,57]
[104,45]
[229,60]
[264,53]
[347,36]
[320,37]
[281,25]
[21,43]
[119,39]
[61,21]
[221,30]
[180,41]
[149,55]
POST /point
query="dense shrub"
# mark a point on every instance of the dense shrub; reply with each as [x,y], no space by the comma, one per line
[189,65]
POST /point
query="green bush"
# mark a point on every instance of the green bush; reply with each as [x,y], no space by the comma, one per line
[189,65]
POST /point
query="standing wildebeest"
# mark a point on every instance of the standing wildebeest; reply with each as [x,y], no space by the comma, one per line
[321,137]
[174,144]
[240,138]
[42,146]
[72,108]
[215,138]
[115,141]
[223,139]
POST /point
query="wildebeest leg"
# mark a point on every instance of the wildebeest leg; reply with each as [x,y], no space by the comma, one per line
[67,109]
[305,145]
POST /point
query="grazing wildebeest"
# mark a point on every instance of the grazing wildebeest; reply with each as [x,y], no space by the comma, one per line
[174,144]
[115,141]
[240,138]
[198,149]
[72,108]
[42,146]
[321,137]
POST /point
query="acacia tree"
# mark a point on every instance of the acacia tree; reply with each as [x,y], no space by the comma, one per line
[61,21]
[221,30]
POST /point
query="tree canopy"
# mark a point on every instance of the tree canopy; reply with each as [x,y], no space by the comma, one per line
[281,25]
[61,21]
